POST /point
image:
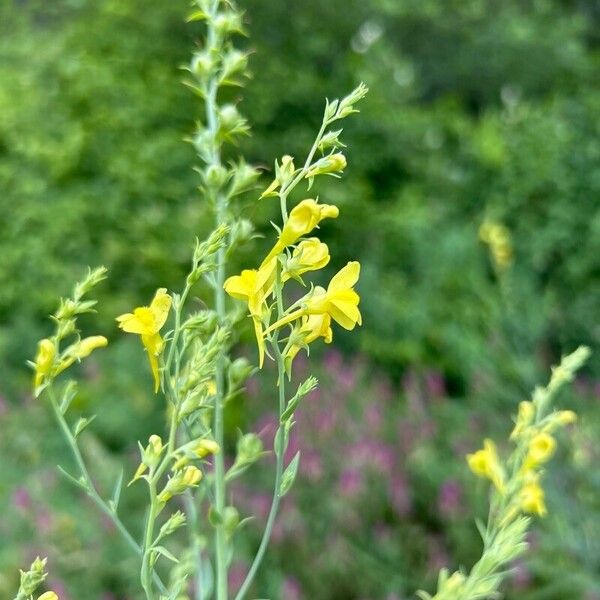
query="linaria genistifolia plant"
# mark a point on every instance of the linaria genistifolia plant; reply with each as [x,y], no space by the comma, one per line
[190,362]
[189,351]
[516,489]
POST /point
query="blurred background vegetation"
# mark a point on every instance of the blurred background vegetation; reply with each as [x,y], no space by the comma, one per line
[480,111]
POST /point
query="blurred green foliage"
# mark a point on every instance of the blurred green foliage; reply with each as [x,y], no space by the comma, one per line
[479,110]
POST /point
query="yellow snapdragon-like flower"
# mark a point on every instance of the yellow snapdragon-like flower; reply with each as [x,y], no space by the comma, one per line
[309,255]
[485,463]
[147,321]
[44,360]
[304,217]
[82,349]
[48,596]
[540,450]
[186,478]
[312,328]
[254,286]
[339,301]
[532,498]
[87,345]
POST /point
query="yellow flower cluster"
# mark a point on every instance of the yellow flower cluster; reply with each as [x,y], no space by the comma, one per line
[292,255]
[535,447]
[147,321]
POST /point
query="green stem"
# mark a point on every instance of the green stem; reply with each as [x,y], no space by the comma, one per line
[307,163]
[147,569]
[219,298]
[177,328]
[192,512]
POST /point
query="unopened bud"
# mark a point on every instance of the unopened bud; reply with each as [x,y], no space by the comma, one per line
[249,448]
[334,163]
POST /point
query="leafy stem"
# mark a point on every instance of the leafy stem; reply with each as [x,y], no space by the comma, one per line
[280,444]
[85,482]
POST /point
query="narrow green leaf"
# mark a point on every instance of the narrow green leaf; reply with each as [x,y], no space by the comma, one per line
[68,396]
[82,424]
[164,552]
[197,15]
[73,480]
[289,475]
[116,495]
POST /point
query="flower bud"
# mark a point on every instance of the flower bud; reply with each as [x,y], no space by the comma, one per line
[216,176]
[202,64]
[249,448]
[241,231]
[231,519]
[331,140]
[524,418]
[346,105]
[286,171]
[204,447]
[154,449]
[334,163]
[183,479]
[239,370]
[233,62]
[227,23]
[566,417]
[44,360]
[175,522]
[31,580]
[244,178]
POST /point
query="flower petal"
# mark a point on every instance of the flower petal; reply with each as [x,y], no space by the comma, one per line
[160,306]
[345,278]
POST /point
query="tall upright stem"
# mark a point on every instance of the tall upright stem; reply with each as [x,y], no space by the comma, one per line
[220,203]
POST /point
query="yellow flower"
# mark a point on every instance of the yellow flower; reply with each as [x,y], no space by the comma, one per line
[81,349]
[48,596]
[541,448]
[184,479]
[254,286]
[304,217]
[204,447]
[312,328]
[485,463]
[44,360]
[87,345]
[524,418]
[339,301]
[147,321]
[532,498]
[309,255]
[191,476]
[566,417]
